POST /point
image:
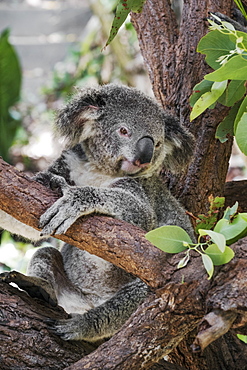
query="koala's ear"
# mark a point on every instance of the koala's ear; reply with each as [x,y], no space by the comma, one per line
[76,121]
[180,144]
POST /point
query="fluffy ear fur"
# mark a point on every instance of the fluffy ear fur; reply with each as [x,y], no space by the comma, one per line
[75,122]
[181,144]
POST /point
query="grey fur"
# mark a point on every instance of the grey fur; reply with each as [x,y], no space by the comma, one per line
[118,140]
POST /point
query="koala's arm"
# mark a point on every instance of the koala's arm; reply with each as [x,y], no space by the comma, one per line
[105,320]
[127,203]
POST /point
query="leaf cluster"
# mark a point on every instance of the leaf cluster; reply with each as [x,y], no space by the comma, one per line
[207,221]
[226,52]
[124,7]
[212,245]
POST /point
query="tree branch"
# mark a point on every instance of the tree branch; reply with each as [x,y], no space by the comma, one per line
[114,240]
[171,312]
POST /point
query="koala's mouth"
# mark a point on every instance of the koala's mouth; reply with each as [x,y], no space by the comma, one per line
[132,168]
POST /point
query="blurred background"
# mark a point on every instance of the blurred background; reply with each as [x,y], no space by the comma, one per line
[48,50]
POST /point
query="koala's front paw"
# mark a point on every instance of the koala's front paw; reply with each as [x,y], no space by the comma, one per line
[64,212]
[75,328]
[58,182]
[54,182]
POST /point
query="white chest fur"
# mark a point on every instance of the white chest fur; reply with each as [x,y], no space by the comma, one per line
[83,173]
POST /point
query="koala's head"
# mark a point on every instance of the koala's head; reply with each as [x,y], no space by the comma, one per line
[124,132]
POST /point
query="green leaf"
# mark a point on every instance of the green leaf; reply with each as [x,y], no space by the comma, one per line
[241,133]
[242,337]
[170,239]
[230,211]
[200,89]
[216,44]
[208,264]
[124,7]
[217,256]
[233,93]
[137,6]
[216,237]
[241,111]
[225,128]
[207,99]
[232,230]
[234,69]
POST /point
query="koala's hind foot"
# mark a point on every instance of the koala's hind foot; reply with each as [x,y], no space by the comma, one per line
[36,287]
[105,320]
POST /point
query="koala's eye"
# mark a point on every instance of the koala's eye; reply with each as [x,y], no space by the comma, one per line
[123,131]
[158,145]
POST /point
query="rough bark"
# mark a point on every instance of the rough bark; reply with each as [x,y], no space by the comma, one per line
[174,68]
[172,311]
[235,191]
[26,342]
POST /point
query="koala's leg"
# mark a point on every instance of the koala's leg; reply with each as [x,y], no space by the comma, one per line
[105,320]
[36,287]
[45,278]
[48,264]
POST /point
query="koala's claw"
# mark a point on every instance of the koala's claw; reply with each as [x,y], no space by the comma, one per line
[64,329]
[59,182]
[63,213]
[74,328]
[55,221]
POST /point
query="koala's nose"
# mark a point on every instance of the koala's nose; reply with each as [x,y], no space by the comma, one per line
[144,151]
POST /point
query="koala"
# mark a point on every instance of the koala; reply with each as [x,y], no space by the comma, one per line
[117,142]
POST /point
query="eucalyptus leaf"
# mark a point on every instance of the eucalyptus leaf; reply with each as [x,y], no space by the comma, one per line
[216,44]
[137,6]
[225,128]
[242,337]
[232,230]
[233,93]
[241,133]
[124,7]
[170,239]
[200,89]
[207,99]
[216,237]
[241,111]
[234,69]
[208,264]
[230,211]
[217,256]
